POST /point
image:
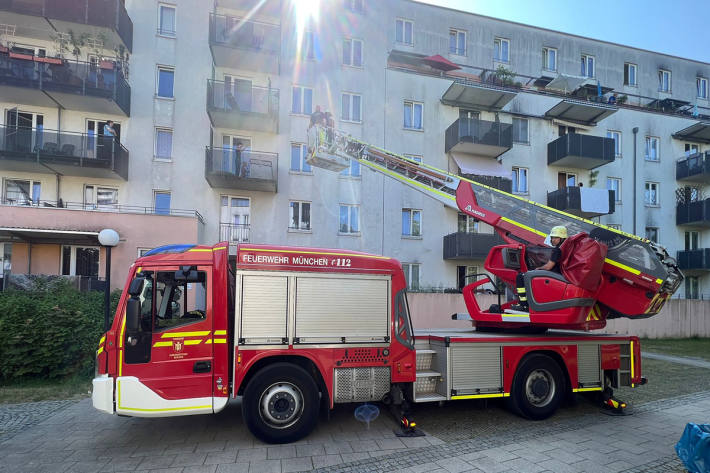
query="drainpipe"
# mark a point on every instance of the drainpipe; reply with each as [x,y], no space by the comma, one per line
[635,130]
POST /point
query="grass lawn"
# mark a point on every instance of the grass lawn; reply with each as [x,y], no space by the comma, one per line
[44,390]
[691,347]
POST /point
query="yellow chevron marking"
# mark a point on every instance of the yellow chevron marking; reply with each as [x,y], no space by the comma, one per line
[185,334]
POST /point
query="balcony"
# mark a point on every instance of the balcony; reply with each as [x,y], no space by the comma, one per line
[501,183]
[694,260]
[695,213]
[583,202]
[464,93]
[580,151]
[234,232]
[245,44]
[73,85]
[248,170]
[43,18]
[480,137]
[468,246]
[230,105]
[693,168]
[71,154]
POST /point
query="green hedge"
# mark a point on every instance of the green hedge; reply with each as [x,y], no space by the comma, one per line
[51,331]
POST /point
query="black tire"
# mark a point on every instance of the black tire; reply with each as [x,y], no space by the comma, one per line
[538,387]
[280,403]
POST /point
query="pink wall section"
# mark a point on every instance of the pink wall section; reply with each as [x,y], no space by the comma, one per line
[135,231]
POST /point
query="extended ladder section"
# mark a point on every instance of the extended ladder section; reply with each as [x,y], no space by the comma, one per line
[638,263]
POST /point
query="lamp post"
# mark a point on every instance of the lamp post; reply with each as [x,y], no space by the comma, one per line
[108,238]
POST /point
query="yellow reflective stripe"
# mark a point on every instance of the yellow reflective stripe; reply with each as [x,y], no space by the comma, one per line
[220,340]
[163,344]
[584,390]
[315,253]
[220,332]
[99,351]
[103,339]
[219,248]
[632,359]
[140,268]
[516,315]
[530,229]
[185,334]
[622,266]
[193,342]
[201,249]
[408,180]
[659,281]
[120,346]
[165,409]
[521,289]
[480,396]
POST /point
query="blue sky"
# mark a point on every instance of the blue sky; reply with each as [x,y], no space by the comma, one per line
[677,27]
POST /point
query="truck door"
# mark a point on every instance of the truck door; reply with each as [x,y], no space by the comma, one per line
[167,363]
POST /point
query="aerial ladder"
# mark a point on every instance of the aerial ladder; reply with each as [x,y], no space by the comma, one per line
[637,276]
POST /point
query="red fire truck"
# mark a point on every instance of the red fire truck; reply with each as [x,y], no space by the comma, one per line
[293,330]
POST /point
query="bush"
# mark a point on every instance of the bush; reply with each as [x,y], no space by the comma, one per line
[50,331]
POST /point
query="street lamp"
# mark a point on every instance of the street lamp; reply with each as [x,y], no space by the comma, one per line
[108,238]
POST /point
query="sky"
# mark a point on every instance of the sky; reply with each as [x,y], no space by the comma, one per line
[676,27]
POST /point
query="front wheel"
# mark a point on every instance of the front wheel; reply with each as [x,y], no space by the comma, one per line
[538,387]
[280,403]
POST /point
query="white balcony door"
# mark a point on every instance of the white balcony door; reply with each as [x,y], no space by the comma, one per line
[235,216]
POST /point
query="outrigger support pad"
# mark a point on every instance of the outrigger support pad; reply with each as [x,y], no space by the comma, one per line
[399,408]
[612,406]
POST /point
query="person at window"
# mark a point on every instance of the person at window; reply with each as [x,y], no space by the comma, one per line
[109,130]
[612,99]
[317,117]
[110,137]
[558,235]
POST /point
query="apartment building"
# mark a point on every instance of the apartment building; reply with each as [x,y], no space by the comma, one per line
[211,106]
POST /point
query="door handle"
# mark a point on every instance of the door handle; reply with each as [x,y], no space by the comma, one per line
[202,367]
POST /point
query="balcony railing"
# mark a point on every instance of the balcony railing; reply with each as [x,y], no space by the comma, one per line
[73,154]
[109,14]
[245,169]
[580,151]
[502,183]
[693,168]
[694,260]
[474,136]
[75,85]
[695,213]
[582,201]
[251,44]
[467,246]
[234,232]
[237,106]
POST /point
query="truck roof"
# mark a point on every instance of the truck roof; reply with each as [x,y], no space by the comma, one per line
[189,253]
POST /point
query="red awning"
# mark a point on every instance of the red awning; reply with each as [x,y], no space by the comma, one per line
[48,60]
[20,56]
[3,49]
[439,62]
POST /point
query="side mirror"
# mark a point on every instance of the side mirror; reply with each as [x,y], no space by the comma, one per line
[133,314]
[136,286]
[187,274]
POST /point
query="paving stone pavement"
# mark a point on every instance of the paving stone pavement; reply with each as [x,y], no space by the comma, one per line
[70,436]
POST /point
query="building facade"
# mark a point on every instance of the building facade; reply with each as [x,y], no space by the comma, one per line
[211,106]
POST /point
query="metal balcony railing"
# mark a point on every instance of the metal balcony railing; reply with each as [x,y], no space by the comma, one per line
[230,97]
[239,32]
[234,232]
[580,151]
[244,169]
[461,245]
[479,134]
[582,201]
[695,167]
[694,259]
[693,213]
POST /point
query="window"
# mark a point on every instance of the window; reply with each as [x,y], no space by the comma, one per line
[166,20]
[587,65]
[162,202]
[549,59]
[652,148]
[691,287]
[701,84]
[566,179]
[355,6]
[691,149]
[308,47]
[298,158]
[413,115]
[404,31]
[302,100]
[163,143]
[652,234]
[353,170]
[651,197]
[614,184]
[465,275]
[616,136]
[520,130]
[143,251]
[630,74]
[171,303]
[457,42]
[101,197]
[299,215]
[414,157]
[21,192]
[349,219]
[411,275]
[664,80]
[501,50]
[692,240]
[411,223]
[351,108]
[467,224]
[520,180]
[352,52]
[80,261]
[165,81]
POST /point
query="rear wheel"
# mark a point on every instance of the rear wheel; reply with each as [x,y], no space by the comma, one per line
[280,403]
[538,387]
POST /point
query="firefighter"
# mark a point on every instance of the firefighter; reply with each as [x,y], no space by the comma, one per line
[558,235]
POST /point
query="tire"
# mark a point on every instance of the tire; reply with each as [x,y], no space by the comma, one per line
[280,403]
[538,387]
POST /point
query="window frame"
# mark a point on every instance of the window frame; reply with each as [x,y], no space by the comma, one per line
[545,58]
[163,129]
[661,74]
[403,41]
[308,46]
[617,193]
[349,207]
[585,58]
[456,51]
[162,32]
[527,130]
[351,55]
[655,230]
[351,100]
[692,287]
[412,104]
[516,170]
[498,42]
[72,260]
[302,160]
[309,226]
[648,140]
[164,68]
[407,270]
[617,143]
[156,193]
[350,5]
[411,212]
[94,204]
[648,187]
[627,74]
[701,80]
[348,171]
[34,200]
[302,89]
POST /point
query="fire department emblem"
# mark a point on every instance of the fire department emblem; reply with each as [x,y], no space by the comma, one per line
[178,345]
